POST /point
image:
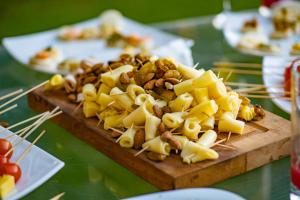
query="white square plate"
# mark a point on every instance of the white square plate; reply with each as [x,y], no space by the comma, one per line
[22,48]
[37,167]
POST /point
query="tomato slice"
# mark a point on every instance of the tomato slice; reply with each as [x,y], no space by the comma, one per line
[12,169]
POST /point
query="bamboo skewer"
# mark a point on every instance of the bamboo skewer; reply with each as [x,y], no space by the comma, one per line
[11,94]
[30,146]
[266,97]
[25,121]
[8,109]
[141,151]
[226,146]
[248,72]
[250,84]
[265,92]
[23,94]
[250,89]
[228,137]
[57,197]
[228,76]
[218,142]
[233,64]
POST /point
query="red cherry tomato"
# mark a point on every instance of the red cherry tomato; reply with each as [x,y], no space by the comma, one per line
[3,159]
[12,169]
[5,146]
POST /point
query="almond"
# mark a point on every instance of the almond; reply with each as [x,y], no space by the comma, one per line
[150,84]
[166,136]
[139,139]
[174,81]
[90,79]
[172,74]
[161,128]
[124,78]
[159,83]
[157,111]
[149,76]
[156,156]
[72,98]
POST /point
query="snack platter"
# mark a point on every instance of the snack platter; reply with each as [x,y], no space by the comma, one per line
[264,141]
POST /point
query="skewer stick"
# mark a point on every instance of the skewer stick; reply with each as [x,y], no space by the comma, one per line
[228,76]
[250,84]
[11,94]
[196,65]
[245,90]
[116,130]
[248,72]
[226,146]
[266,97]
[228,137]
[30,146]
[118,94]
[78,106]
[218,142]
[25,121]
[57,197]
[233,64]
[141,151]
[8,109]
[265,92]
[23,94]
[111,103]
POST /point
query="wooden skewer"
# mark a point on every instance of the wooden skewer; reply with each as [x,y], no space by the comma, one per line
[248,72]
[25,121]
[196,65]
[8,109]
[141,151]
[228,137]
[218,142]
[266,97]
[117,130]
[11,94]
[78,106]
[251,84]
[266,92]
[23,94]
[30,146]
[57,197]
[118,140]
[245,90]
[228,76]
[118,94]
[226,146]
[233,64]
[111,103]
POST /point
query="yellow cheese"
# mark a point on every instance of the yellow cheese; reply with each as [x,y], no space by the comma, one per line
[183,87]
[158,146]
[208,138]
[205,79]
[111,78]
[181,103]
[7,184]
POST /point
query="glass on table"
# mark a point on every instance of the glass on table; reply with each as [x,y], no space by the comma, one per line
[295,152]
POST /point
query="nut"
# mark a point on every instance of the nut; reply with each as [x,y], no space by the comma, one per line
[142,58]
[259,111]
[166,136]
[172,74]
[4,124]
[245,100]
[131,74]
[161,128]
[72,98]
[169,86]
[124,78]
[115,65]
[156,156]
[139,139]
[150,85]
[86,64]
[174,81]
[158,111]
[160,64]
[69,86]
[115,134]
[159,82]
[166,109]
[90,79]
[174,143]
[149,76]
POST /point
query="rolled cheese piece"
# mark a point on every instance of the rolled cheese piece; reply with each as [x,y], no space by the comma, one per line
[111,78]
[181,103]
[191,128]
[205,79]
[183,87]
[151,126]
[127,138]
[142,98]
[189,72]
[193,152]
[208,123]
[158,146]
[90,109]
[208,138]
[103,100]
[55,82]
[89,92]
[181,139]
[114,121]
[121,98]
[217,89]
[173,120]
[201,94]
[228,123]
[134,90]
[103,89]
[138,116]
[209,108]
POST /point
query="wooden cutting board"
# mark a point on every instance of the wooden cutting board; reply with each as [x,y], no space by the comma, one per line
[263,142]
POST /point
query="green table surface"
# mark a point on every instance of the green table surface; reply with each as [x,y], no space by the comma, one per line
[89,174]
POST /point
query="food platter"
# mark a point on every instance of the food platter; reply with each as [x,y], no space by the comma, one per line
[37,167]
[164,44]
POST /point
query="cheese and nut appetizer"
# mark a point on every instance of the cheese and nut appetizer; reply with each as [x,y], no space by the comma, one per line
[159,105]
[295,49]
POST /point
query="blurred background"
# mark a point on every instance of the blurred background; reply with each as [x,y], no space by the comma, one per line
[27,16]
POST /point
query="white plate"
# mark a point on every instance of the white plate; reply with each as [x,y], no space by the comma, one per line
[190,194]
[233,34]
[22,48]
[276,65]
[37,167]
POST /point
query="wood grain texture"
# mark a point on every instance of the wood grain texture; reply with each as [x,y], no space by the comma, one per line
[263,142]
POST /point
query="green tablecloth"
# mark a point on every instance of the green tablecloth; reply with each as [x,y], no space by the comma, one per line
[89,174]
